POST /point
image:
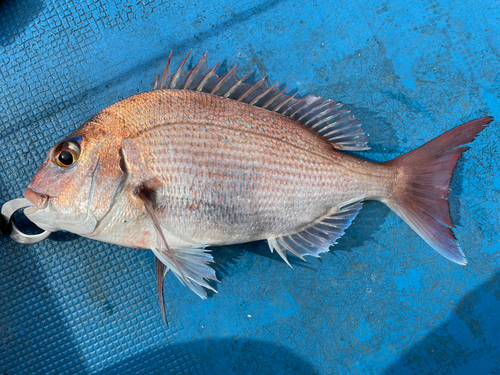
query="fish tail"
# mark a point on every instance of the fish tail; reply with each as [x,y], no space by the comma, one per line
[422,184]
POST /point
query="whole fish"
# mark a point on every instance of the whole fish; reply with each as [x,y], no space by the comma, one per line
[203,160]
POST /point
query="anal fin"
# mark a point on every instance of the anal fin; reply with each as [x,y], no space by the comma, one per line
[318,238]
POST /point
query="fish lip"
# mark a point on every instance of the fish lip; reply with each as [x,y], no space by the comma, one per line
[39,200]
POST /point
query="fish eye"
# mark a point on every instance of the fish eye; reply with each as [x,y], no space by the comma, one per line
[66,154]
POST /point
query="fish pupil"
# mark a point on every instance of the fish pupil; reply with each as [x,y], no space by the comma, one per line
[66,158]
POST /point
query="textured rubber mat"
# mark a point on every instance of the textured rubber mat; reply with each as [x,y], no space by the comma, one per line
[381,302]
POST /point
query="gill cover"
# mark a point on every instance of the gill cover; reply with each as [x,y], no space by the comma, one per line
[78,182]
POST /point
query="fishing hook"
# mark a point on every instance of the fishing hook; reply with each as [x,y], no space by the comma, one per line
[8,227]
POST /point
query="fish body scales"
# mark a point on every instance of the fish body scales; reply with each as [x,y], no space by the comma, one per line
[231,172]
[206,160]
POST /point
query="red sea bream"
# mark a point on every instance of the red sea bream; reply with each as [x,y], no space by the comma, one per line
[203,160]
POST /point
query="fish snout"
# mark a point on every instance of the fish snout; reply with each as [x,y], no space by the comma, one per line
[38,199]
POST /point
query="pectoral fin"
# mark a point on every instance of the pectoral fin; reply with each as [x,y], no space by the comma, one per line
[190,265]
[161,271]
[144,185]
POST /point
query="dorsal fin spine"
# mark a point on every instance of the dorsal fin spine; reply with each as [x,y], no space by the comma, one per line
[156,83]
[166,72]
[189,79]
[236,84]
[207,76]
[323,116]
[292,106]
[222,80]
[177,73]
[273,98]
[262,94]
[250,89]
[278,107]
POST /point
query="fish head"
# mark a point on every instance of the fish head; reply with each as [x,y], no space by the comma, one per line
[76,184]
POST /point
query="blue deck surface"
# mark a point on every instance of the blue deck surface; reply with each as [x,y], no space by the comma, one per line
[383,302]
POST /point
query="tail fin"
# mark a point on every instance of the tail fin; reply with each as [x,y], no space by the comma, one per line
[423,183]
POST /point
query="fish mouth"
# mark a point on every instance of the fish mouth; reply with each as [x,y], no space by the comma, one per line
[39,200]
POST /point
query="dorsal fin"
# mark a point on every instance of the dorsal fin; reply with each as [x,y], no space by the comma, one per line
[324,116]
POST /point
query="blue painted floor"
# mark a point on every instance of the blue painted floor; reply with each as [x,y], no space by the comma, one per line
[383,302]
